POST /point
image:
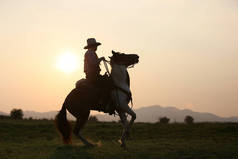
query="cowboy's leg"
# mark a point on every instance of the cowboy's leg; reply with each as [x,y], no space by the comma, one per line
[91,78]
[94,82]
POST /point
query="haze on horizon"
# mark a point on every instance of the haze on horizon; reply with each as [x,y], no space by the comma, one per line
[188,50]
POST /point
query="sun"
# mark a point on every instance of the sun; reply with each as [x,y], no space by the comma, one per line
[68,62]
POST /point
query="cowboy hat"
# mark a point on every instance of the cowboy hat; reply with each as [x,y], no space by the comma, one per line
[91,42]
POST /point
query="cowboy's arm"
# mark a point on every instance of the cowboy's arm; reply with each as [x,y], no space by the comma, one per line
[101,59]
[93,60]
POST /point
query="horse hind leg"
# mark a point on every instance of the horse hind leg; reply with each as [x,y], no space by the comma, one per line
[80,123]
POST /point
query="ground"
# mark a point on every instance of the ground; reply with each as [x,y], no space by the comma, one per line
[38,139]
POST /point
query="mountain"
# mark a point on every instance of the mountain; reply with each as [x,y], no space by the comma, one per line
[39,115]
[153,113]
[44,115]
[2,113]
[144,114]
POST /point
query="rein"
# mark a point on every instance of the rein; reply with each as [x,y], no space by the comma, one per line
[106,67]
[131,66]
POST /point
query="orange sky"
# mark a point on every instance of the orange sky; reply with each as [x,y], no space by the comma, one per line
[188,50]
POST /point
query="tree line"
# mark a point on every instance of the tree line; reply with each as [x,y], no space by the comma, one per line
[18,114]
[14,114]
[188,120]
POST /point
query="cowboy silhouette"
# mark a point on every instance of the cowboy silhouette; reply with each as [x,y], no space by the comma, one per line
[101,84]
[91,61]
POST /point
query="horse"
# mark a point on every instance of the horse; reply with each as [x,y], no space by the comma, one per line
[79,104]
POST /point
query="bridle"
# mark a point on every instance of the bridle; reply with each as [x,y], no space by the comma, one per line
[106,66]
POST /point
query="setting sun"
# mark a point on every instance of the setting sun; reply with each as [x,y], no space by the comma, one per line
[67,62]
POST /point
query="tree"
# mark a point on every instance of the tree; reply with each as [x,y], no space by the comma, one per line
[188,119]
[164,120]
[16,114]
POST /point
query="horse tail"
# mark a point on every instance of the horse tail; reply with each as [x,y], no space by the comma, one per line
[63,125]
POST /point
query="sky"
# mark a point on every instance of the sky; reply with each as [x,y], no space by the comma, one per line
[188,50]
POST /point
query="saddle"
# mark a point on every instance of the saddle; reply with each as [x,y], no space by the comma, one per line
[100,92]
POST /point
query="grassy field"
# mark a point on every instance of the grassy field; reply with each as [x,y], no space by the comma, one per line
[32,139]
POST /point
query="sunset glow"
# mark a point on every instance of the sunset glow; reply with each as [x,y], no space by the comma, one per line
[188,51]
[67,62]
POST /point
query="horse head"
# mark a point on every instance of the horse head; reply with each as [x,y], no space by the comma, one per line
[124,59]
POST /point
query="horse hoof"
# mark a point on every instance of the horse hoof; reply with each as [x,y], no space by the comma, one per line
[123,145]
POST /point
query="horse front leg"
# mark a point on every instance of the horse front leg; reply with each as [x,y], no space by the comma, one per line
[133,117]
[127,126]
[124,133]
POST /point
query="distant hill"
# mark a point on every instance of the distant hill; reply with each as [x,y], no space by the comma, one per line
[144,114]
[2,113]
[39,115]
[44,115]
[153,113]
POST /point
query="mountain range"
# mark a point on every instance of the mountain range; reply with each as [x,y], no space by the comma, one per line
[153,113]
[2,113]
[144,114]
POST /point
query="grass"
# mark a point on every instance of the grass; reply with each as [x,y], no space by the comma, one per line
[38,139]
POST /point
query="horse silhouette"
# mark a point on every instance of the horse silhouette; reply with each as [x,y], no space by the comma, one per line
[79,103]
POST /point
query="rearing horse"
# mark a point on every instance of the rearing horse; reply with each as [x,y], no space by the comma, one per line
[79,104]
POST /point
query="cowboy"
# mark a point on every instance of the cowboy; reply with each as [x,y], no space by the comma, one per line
[91,61]
[92,70]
